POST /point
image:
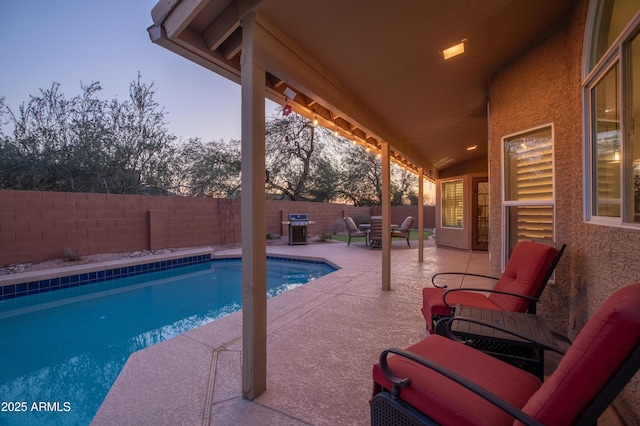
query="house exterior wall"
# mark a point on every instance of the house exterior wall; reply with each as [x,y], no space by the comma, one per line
[540,87]
[459,238]
[36,226]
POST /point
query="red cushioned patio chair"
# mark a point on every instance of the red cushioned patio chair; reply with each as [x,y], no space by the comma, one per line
[517,290]
[442,381]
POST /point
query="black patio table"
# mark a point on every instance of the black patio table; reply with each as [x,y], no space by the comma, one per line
[514,337]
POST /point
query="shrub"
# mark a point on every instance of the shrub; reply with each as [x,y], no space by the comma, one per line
[72,255]
[337,227]
[325,236]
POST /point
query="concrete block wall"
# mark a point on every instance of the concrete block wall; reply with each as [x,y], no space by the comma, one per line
[37,226]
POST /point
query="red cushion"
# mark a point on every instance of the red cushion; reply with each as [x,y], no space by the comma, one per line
[523,274]
[432,303]
[448,403]
[609,337]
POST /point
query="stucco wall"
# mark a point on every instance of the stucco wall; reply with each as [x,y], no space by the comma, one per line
[541,87]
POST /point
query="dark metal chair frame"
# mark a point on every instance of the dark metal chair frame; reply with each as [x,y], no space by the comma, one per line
[388,409]
[440,321]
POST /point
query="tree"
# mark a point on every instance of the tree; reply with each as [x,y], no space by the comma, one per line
[210,169]
[141,147]
[361,176]
[85,144]
[403,187]
[293,144]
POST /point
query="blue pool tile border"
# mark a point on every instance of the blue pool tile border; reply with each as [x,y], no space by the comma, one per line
[41,286]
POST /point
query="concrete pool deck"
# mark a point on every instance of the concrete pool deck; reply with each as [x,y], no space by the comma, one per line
[323,339]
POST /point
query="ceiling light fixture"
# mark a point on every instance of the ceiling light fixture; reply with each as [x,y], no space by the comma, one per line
[454,50]
[471,148]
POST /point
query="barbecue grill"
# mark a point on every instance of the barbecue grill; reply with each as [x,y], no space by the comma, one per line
[298,228]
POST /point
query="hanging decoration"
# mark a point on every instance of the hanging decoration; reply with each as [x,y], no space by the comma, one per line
[288,94]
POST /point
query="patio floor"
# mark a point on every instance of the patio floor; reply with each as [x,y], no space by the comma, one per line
[323,339]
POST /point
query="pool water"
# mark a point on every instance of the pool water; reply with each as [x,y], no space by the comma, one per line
[61,351]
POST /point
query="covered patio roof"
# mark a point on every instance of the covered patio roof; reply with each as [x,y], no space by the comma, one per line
[372,69]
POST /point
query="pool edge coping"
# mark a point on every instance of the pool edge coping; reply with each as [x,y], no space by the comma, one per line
[281,256]
[24,277]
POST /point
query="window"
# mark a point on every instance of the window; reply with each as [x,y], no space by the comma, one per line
[528,196]
[452,204]
[612,107]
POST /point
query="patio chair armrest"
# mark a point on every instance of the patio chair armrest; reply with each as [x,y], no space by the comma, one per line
[451,290]
[537,342]
[458,273]
[399,383]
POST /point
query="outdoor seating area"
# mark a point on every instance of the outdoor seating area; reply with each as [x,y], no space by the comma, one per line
[517,290]
[437,380]
[372,230]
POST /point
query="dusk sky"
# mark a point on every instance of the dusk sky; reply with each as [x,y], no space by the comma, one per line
[82,41]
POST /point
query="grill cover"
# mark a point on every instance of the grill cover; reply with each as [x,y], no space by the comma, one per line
[298,223]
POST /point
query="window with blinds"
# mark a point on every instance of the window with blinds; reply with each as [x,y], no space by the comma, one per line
[452,204]
[528,185]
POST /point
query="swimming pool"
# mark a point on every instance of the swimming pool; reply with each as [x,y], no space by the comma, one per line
[62,350]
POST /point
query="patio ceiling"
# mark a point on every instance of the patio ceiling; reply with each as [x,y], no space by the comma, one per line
[384,57]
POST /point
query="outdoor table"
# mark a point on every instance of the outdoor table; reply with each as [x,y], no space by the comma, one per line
[514,337]
[366,227]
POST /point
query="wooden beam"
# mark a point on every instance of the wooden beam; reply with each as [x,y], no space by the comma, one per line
[181,16]
[222,27]
[233,45]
